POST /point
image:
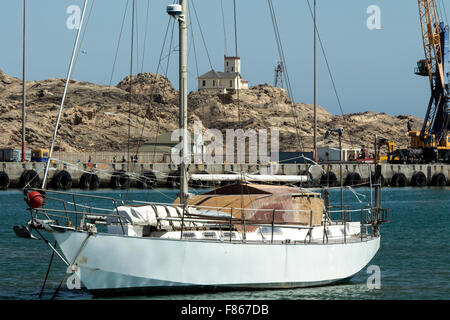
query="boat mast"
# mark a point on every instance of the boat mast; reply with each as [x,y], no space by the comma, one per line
[23,83]
[131,84]
[69,74]
[183,103]
[378,185]
[315,83]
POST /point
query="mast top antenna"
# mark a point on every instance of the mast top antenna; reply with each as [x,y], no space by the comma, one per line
[175,10]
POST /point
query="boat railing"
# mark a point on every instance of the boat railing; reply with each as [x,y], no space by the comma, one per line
[369,218]
[80,211]
[74,213]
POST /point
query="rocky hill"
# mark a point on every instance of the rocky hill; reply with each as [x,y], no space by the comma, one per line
[97,117]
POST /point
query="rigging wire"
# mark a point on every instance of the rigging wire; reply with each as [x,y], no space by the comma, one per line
[237,55]
[161,58]
[131,85]
[66,86]
[147,112]
[137,36]
[118,43]
[131,89]
[84,32]
[280,47]
[145,35]
[224,29]
[81,44]
[239,114]
[170,49]
[201,33]
[136,13]
[195,57]
[191,27]
[329,71]
[285,73]
[327,63]
[151,95]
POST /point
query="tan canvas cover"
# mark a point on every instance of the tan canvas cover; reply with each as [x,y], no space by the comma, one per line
[264,203]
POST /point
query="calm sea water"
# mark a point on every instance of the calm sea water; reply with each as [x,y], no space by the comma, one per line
[414,257]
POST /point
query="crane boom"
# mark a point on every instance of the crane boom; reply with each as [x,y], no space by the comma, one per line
[431,41]
[435,37]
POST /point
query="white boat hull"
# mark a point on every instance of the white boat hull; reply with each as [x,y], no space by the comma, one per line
[115,264]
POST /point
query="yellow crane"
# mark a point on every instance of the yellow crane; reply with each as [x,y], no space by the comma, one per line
[433,140]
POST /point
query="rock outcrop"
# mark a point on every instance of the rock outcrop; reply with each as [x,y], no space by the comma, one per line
[97,117]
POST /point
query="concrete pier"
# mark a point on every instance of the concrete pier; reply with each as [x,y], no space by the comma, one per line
[143,175]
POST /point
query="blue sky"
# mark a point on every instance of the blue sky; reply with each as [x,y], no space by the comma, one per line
[373,69]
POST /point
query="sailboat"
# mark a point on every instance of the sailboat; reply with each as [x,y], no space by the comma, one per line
[239,236]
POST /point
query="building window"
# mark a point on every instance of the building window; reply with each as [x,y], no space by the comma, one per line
[227,63]
[204,83]
[214,83]
[232,69]
[231,83]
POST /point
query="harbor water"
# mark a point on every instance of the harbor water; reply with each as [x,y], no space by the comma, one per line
[413,259]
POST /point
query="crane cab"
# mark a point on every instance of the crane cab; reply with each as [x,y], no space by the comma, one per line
[417,142]
[422,68]
[445,143]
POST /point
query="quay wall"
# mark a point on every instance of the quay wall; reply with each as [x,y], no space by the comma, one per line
[124,175]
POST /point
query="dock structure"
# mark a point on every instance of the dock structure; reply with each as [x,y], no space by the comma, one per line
[151,175]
